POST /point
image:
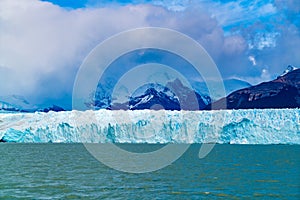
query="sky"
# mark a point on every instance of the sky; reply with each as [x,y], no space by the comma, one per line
[43,43]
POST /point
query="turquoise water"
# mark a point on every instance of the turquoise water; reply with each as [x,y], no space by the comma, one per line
[59,171]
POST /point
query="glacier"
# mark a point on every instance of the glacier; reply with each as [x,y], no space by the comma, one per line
[255,126]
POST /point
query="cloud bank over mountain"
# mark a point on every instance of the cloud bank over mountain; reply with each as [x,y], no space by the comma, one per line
[43,44]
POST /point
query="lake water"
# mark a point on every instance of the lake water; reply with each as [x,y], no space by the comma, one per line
[63,171]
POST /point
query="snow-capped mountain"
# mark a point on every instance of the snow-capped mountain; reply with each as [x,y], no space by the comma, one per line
[54,108]
[173,96]
[283,92]
[17,103]
[189,98]
[289,69]
[101,98]
[155,97]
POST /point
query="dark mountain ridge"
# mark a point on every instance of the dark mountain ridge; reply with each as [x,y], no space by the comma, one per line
[174,96]
[283,92]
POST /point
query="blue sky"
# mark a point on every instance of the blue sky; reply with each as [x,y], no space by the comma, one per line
[44,42]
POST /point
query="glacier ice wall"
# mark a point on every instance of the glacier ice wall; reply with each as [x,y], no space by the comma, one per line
[258,126]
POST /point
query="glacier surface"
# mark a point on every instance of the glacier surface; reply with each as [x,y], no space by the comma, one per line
[257,126]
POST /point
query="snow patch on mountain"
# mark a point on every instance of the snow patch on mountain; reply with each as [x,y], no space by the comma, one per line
[289,69]
[17,103]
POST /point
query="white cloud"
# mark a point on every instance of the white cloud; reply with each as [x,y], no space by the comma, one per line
[252,60]
[234,45]
[179,5]
[42,45]
[265,75]
[292,5]
[43,42]
[264,40]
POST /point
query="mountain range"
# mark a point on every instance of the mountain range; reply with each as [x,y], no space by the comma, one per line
[283,92]
[173,96]
[17,103]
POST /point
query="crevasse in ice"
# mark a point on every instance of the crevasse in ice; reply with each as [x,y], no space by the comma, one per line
[258,126]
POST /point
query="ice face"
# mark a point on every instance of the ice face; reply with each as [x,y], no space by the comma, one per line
[258,126]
